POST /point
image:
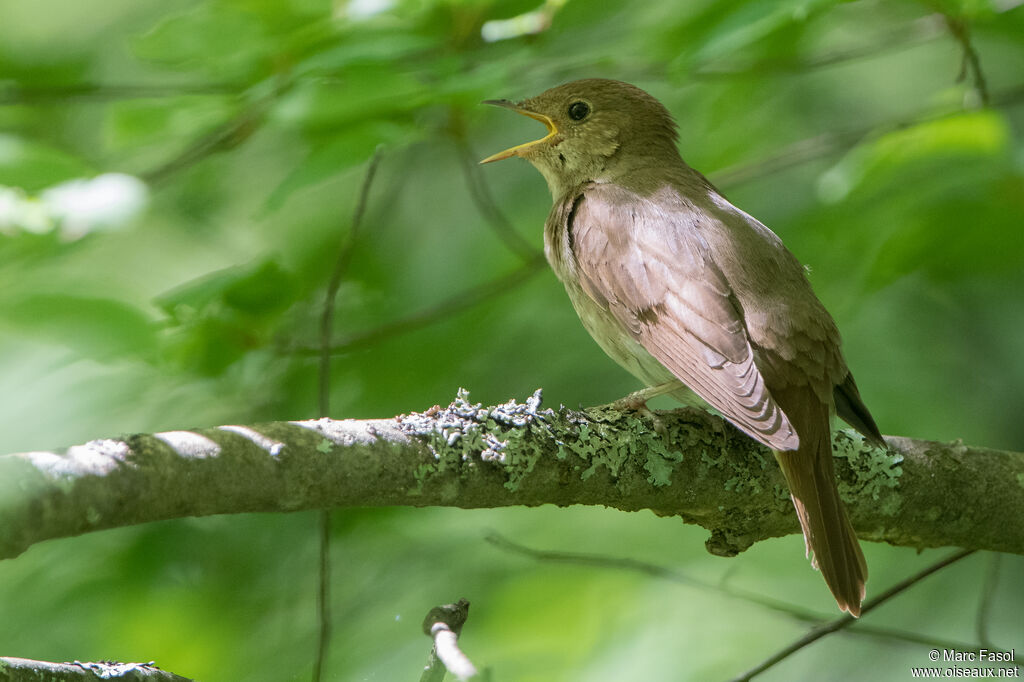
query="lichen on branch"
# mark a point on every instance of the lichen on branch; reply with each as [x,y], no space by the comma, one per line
[693,466]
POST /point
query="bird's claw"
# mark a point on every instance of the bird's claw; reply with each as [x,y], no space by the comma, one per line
[637,402]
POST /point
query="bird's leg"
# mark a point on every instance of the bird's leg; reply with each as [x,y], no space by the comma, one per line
[637,402]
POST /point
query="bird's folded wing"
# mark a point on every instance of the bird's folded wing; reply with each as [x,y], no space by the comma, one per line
[648,263]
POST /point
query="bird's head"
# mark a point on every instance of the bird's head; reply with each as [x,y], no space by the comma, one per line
[598,129]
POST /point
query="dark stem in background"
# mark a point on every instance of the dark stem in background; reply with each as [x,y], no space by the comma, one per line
[324,386]
[988,591]
[480,192]
[819,146]
[25,93]
[845,621]
[971,63]
[334,283]
[230,134]
[448,307]
[721,586]
[905,37]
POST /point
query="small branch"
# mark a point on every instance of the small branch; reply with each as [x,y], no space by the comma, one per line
[971,62]
[847,620]
[485,203]
[449,307]
[228,135]
[22,93]
[323,596]
[672,575]
[918,493]
[25,670]
[988,591]
[334,283]
[917,32]
[444,625]
[822,145]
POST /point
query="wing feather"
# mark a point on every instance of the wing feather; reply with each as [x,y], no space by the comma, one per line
[652,269]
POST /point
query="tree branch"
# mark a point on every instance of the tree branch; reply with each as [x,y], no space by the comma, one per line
[919,493]
[25,670]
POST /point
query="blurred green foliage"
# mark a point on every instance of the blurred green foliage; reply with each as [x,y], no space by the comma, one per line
[842,125]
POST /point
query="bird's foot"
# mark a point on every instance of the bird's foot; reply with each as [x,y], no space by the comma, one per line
[637,402]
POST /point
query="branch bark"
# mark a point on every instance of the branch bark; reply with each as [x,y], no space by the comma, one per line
[25,670]
[699,468]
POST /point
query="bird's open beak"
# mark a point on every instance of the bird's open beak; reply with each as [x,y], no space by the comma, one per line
[520,148]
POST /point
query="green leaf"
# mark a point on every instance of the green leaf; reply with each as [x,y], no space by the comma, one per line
[267,290]
[331,158]
[720,32]
[139,122]
[101,328]
[220,317]
[365,45]
[957,232]
[982,134]
[258,290]
[208,345]
[359,93]
[219,40]
[33,166]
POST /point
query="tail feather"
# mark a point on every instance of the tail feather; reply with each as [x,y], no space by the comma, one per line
[828,534]
[852,410]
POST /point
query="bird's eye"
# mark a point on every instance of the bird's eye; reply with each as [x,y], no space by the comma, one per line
[579,111]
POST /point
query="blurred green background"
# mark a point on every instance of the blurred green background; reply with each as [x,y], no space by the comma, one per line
[176,178]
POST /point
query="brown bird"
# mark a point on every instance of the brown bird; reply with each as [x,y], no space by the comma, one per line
[693,296]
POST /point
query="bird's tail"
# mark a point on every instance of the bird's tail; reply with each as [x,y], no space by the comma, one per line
[826,526]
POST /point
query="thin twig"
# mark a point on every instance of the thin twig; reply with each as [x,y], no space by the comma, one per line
[450,306]
[29,94]
[847,620]
[228,135]
[324,386]
[334,283]
[988,591]
[971,62]
[671,575]
[920,31]
[323,595]
[822,145]
[653,570]
[481,194]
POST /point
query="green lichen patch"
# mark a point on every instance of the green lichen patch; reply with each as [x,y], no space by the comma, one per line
[622,435]
[875,472]
[603,438]
[660,466]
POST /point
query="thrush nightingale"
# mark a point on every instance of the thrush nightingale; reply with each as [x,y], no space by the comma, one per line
[694,296]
